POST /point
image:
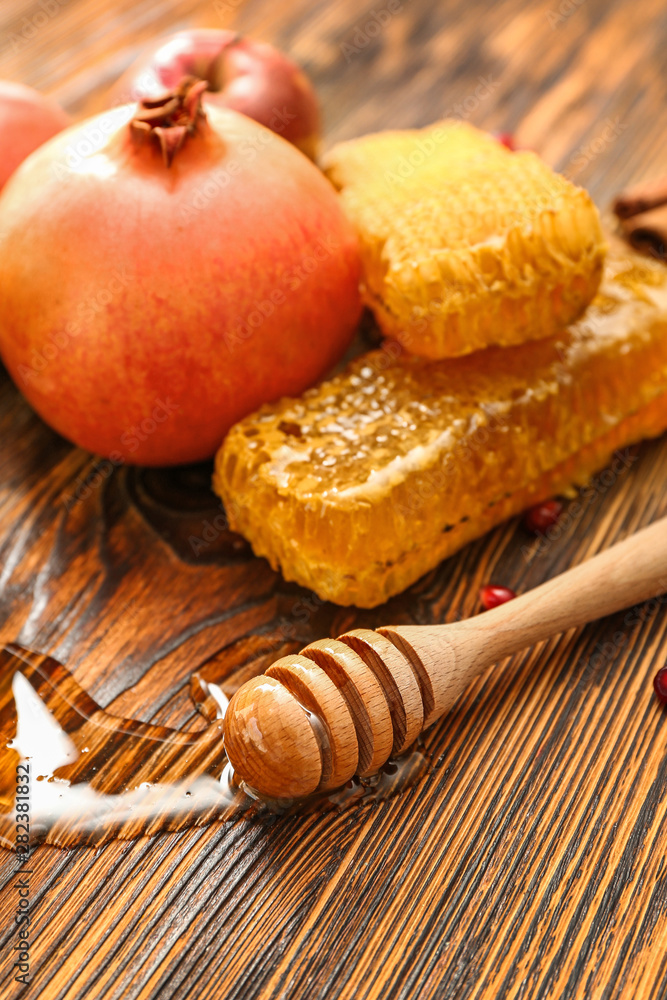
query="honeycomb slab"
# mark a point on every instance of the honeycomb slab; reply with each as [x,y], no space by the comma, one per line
[368,480]
[464,243]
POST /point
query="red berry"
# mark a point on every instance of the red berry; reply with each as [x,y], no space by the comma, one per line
[543,516]
[660,685]
[506,139]
[491,596]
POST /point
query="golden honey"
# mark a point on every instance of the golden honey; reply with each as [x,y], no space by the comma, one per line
[91,777]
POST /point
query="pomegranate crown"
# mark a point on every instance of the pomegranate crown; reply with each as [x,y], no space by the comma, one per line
[169,120]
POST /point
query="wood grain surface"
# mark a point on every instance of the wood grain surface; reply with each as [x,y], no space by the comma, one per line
[530,861]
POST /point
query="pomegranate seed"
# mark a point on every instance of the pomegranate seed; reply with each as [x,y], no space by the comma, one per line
[506,139]
[660,685]
[543,516]
[491,596]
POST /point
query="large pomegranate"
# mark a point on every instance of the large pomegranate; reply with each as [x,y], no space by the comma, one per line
[27,119]
[163,272]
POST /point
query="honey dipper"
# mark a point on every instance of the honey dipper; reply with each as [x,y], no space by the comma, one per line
[342,706]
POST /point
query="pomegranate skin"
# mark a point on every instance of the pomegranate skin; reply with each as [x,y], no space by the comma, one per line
[491,596]
[660,685]
[146,308]
[244,75]
[27,119]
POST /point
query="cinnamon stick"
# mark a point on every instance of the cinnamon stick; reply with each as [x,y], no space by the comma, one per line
[640,198]
[647,232]
[642,214]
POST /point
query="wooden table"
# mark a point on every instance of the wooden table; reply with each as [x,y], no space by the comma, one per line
[530,862]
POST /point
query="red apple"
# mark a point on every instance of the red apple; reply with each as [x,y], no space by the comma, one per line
[27,119]
[244,75]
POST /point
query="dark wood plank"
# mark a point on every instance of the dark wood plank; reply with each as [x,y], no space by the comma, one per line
[530,861]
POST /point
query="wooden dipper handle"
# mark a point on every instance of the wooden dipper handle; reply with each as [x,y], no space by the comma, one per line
[343,706]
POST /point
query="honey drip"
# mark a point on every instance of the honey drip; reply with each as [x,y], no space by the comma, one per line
[94,776]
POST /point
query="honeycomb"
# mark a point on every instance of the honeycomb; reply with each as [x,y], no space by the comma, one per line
[465,244]
[368,480]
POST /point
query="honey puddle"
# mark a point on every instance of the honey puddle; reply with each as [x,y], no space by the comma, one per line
[94,777]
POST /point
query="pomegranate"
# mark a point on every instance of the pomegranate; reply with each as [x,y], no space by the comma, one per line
[27,119]
[244,75]
[507,140]
[542,516]
[660,685]
[164,271]
[491,596]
